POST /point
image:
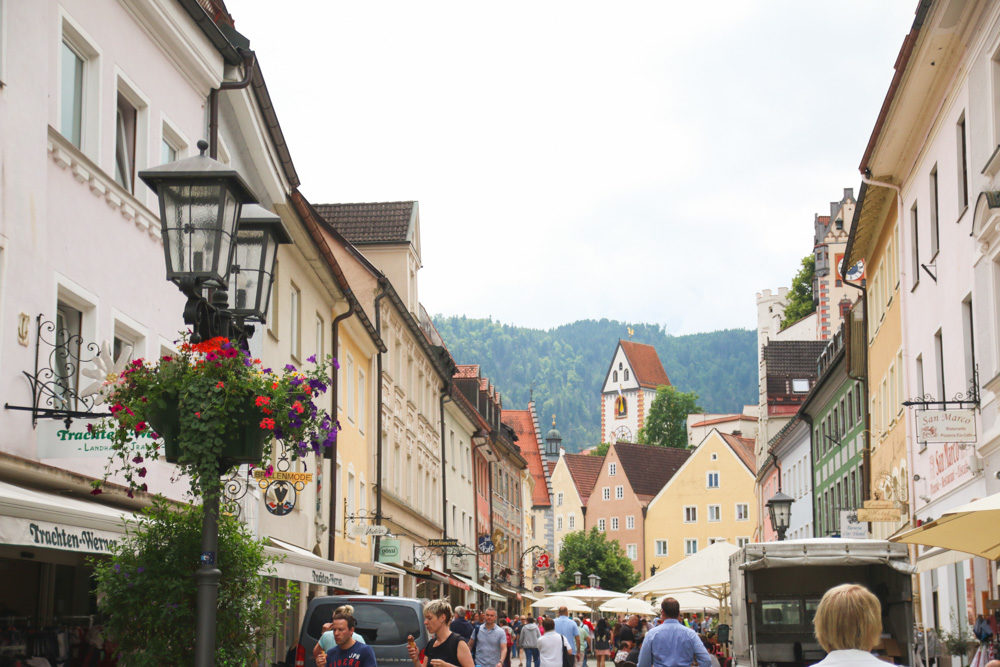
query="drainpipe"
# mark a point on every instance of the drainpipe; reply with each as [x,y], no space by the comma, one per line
[249,63]
[331,453]
[444,478]
[378,421]
[812,468]
[489,472]
[866,453]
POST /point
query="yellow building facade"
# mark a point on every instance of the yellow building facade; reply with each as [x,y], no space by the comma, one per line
[709,499]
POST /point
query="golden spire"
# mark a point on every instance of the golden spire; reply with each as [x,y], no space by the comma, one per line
[631,332]
[553,421]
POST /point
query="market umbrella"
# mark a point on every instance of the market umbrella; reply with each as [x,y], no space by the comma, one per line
[706,572]
[628,606]
[973,528]
[591,596]
[556,601]
[692,602]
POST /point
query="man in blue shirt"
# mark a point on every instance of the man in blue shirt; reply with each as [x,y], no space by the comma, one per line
[671,644]
[347,652]
[567,628]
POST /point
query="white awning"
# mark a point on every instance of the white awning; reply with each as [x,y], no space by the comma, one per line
[45,520]
[298,564]
[479,587]
[935,558]
[377,569]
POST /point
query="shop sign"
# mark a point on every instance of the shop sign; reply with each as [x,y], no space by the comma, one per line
[377,531]
[31,533]
[880,504]
[543,562]
[946,426]
[538,588]
[883,515]
[388,551]
[446,542]
[850,527]
[486,544]
[85,438]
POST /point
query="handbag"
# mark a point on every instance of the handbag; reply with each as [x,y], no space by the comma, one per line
[569,660]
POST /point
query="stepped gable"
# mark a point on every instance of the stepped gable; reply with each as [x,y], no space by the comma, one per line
[584,469]
[743,448]
[523,424]
[372,222]
[645,364]
[467,371]
[649,468]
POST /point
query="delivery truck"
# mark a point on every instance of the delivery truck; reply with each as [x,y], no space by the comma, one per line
[776,587]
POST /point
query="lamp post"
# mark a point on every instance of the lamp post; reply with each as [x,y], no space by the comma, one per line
[207,244]
[595,580]
[779,507]
[577,576]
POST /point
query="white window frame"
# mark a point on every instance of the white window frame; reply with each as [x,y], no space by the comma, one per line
[742,511]
[320,337]
[127,89]
[559,499]
[664,551]
[718,513]
[708,479]
[692,512]
[272,304]
[619,492]
[349,387]
[612,469]
[90,103]
[690,546]
[171,135]
[571,521]
[559,522]
[361,400]
[606,493]
[630,522]
[614,523]
[632,551]
[742,541]
[601,525]
[295,321]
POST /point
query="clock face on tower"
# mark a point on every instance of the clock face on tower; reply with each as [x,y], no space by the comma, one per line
[857,271]
[621,434]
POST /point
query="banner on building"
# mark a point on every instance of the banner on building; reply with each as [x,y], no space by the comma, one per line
[49,535]
[940,426]
[388,551]
[850,527]
[85,438]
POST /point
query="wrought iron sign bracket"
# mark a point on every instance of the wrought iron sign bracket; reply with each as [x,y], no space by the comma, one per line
[53,381]
[968,399]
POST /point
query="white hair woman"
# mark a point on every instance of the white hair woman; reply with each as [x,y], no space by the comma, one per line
[848,624]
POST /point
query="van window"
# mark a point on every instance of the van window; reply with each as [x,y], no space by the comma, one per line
[380,624]
[781,612]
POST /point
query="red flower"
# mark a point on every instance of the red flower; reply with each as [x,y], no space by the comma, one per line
[266,411]
[96,491]
[297,407]
[262,401]
[274,386]
[198,415]
[140,427]
[267,423]
[220,384]
[142,472]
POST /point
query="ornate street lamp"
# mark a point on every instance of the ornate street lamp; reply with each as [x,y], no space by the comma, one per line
[595,580]
[257,239]
[779,507]
[201,201]
[577,576]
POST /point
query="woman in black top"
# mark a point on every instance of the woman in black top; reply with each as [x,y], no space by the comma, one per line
[444,648]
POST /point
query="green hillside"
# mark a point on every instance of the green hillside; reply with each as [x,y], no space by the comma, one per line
[566,365]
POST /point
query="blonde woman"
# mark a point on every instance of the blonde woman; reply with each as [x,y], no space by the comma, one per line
[848,624]
[444,647]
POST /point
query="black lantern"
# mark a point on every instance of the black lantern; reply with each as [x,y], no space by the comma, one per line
[257,239]
[595,581]
[577,576]
[779,507]
[200,201]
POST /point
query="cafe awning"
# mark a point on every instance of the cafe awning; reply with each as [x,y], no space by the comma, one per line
[480,588]
[298,564]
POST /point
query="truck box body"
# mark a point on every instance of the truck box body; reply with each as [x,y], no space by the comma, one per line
[776,587]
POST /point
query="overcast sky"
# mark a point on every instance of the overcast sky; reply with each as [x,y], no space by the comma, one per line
[651,162]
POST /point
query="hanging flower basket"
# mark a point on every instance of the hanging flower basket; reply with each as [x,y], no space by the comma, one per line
[213,407]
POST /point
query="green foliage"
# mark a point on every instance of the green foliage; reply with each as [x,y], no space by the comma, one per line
[601,450]
[800,297]
[567,365]
[589,552]
[666,422]
[147,590]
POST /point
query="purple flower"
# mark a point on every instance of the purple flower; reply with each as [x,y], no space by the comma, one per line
[317,385]
[290,368]
[296,381]
[336,364]
[118,568]
[312,359]
[140,569]
[137,459]
[265,371]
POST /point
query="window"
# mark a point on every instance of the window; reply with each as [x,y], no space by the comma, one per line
[935,229]
[559,523]
[714,513]
[614,523]
[915,244]
[690,546]
[559,499]
[712,481]
[619,492]
[612,469]
[800,386]
[632,551]
[272,305]
[361,400]
[969,342]
[963,170]
[626,374]
[126,118]
[294,306]
[630,522]
[600,525]
[690,514]
[939,364]
[572,521]
[69,323]
[349,386]
[742,541]
[661,547]
[350,493]
[614,376]
[320,337]
[606,493]
[71,118]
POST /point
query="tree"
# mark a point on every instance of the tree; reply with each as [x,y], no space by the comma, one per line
[601,449]
[800,297]
[147,591]
[666,422]
[591,553]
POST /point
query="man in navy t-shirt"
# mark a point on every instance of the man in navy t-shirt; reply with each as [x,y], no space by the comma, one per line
[347,652]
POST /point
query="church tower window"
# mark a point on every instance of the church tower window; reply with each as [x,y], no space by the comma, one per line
[626,375]
[621,407]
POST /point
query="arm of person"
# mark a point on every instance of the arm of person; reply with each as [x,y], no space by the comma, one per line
[319,655]
[503,649]
[700,653]
[465,656]
[411,648]
[645,655]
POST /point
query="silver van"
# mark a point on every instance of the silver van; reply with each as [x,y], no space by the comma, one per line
[384,622]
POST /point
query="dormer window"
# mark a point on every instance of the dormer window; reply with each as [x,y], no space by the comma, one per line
[800,386]
[626,375]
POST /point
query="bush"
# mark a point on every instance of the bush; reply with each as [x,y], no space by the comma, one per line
[147,590]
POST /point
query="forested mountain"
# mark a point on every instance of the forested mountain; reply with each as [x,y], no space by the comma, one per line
[566,365]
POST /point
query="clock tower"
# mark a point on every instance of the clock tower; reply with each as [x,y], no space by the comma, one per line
[629,388]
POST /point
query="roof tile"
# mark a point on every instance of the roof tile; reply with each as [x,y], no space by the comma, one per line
[372,222]
[649,468]
[743,448]
[645,364]
[523,423]
[584,469]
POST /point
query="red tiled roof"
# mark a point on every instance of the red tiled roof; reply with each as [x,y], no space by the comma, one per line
[649,468]
[645,364]
[373,222]
[584,469]
[722,420]
[523,423]
[467,371]
[743,448]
